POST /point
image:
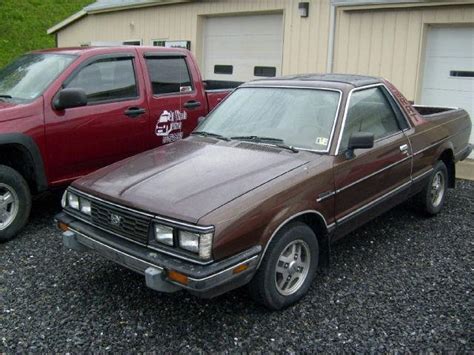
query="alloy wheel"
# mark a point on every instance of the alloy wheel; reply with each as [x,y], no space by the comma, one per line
[9,205]
[292,267]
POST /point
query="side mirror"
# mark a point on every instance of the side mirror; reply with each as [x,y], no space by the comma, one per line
[359,140]
[70,98]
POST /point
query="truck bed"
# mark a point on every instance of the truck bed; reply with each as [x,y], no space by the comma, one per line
[211,85]
[432,110]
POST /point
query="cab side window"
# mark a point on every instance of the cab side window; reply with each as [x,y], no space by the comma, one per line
[369,111]
[105,80]
[169,75]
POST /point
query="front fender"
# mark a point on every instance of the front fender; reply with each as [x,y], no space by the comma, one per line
[29,145]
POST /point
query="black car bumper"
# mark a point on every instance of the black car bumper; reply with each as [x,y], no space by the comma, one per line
[202,280]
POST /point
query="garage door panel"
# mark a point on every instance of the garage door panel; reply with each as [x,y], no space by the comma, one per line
[245,25]
[445,42]
[438,74]
[449,49]
[242,42]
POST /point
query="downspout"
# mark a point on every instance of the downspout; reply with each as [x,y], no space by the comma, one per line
[331,40]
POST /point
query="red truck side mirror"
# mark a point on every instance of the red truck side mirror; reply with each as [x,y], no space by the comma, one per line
[70,98]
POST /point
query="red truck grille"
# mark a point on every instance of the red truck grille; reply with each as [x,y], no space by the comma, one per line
[121,222]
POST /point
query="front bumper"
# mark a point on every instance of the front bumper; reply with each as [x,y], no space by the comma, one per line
[206,281]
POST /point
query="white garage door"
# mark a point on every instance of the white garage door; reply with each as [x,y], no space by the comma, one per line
[448,78]
[242,47]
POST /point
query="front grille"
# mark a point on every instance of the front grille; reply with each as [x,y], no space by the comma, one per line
[127,224]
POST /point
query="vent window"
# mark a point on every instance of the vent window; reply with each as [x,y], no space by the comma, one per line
[223,69]
[264,71]
[462,73]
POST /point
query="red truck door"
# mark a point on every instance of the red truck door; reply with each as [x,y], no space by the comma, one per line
[375,179]
[111,127]
[177,101]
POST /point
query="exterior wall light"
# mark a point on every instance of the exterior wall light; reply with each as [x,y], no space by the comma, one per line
[303,8]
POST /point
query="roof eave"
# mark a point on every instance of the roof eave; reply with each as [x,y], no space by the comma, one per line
[80,14]
[135,6]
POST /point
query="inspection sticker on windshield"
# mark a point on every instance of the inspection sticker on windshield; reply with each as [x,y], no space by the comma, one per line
[322,141]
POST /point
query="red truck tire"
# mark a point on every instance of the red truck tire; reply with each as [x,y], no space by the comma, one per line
[15,203]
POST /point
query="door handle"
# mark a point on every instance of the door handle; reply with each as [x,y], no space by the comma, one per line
[134,112]
[192,104]
[404,148]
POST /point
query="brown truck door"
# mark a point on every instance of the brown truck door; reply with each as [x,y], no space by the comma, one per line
[374,179]
[176,103]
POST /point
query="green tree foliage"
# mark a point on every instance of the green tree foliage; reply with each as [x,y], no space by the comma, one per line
[23,24]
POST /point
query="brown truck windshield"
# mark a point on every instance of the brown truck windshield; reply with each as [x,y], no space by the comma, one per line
[28,76]
[302,118]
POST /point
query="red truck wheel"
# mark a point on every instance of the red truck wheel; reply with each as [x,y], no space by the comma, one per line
[15,203]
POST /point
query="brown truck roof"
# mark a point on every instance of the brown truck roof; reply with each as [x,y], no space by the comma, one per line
[347,79]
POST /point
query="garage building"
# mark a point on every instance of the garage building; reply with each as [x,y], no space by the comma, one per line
[426,48]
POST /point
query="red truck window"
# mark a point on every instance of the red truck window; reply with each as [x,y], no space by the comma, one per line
[169,75]
[107,80]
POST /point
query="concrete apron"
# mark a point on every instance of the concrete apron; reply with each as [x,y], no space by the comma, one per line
[465,169]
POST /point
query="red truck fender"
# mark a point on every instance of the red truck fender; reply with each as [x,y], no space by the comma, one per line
[30,165]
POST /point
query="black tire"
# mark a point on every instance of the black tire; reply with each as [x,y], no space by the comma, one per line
[427,203]
[10,179]
[263,286]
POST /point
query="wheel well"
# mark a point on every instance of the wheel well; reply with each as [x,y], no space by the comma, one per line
[318,225]
[447,157]
[17,157]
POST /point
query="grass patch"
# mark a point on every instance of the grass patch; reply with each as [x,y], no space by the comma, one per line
[23,24]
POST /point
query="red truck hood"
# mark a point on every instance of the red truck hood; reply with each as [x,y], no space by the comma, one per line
[11,111]
[188,179]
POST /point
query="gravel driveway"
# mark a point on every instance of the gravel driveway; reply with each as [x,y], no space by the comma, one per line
[403,282]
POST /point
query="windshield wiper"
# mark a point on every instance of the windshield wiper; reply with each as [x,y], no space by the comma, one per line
[277,142]
[257,139]
[3,96]
[286,146]
[209,134]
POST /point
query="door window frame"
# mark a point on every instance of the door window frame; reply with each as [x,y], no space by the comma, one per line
[169,55]
[102,57]
[398,113]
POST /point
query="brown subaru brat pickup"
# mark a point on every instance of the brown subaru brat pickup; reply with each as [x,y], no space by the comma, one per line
[274,175]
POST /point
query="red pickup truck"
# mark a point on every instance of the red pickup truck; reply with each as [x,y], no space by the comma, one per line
[67,112]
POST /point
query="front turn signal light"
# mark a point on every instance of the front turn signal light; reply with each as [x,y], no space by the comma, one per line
[63,226]
[240,268]
[178,277]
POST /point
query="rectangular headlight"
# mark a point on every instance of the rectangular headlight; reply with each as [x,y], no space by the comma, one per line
[73,201]
[200,244]
[85,206]
[164,234]
[189,241]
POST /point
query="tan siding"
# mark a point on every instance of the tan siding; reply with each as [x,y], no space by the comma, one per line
[305,39]
[382,42]
[389,42]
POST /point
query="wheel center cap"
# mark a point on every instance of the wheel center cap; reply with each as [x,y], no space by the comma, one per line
[292,267]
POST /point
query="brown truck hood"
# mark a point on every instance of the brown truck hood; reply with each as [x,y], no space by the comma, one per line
[188,179]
